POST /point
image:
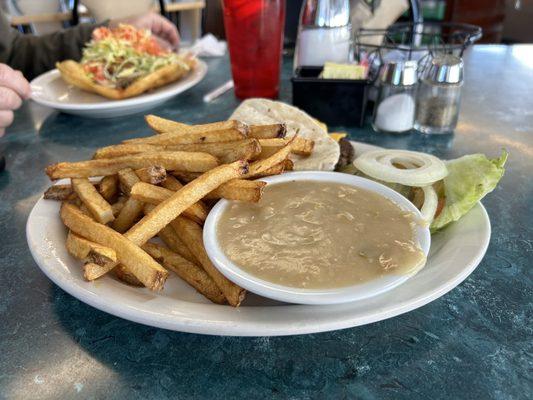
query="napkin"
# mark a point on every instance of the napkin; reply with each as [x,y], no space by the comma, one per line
[209,46]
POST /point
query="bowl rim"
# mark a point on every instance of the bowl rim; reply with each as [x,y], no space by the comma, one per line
[311,296]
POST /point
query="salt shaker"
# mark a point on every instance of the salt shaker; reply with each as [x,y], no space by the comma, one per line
[439,95]
[324,33]
[394,110]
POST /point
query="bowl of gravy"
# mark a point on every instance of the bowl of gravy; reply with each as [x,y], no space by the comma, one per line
[318,238]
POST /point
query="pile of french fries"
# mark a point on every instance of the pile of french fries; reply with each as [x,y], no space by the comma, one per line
[163,186]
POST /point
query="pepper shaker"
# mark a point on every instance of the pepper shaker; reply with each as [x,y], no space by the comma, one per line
[394,110]
[439,96]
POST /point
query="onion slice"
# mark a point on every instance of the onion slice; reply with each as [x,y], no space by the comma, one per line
[380,164]
[431,202]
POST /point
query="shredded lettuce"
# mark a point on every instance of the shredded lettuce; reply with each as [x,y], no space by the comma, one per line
[469,179]
[122,61]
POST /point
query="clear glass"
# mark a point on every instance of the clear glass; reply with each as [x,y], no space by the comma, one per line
[437,107]
[394,110]
[254,31]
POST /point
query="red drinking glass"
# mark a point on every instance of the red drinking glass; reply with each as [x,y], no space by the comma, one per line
[254,31]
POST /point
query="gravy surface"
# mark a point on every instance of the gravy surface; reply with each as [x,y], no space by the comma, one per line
[310,234]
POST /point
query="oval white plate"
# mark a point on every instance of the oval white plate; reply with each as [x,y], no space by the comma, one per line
[50,90]
[455,253]
[311,296]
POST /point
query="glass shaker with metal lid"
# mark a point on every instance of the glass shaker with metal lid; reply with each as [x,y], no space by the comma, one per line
[394,110]
[439,95]
[324,33]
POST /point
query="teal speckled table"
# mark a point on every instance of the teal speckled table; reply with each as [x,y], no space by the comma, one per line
[473,343]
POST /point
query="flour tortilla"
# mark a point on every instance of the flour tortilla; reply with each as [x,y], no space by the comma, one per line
[262,112]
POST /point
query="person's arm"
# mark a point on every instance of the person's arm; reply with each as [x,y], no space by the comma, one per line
[34,55]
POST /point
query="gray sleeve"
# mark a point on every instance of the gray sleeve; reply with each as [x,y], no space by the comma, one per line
[34,55]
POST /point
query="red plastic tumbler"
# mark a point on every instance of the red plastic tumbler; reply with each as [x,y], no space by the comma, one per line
[254,31]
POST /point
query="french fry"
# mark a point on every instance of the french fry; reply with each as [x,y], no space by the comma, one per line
[285,165]
[120,150]
[117,207]
[170,160]
[185,176]
[122,273]
[186,270]
[108,188]
[127,178]
[88,251]
[166,139]
[279,168]
[268,131]
[160,125]
[144,192]
[239,190]
[227,152]
[300,146]
[260,166]
[59,192]
[191,234]
[170,238]
[99,208]
[153,175]
[92,271]
[169,209]
[138,262]
[198,210]
[236,189]
[128,215]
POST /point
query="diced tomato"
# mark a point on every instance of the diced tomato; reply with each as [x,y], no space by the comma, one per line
[101,33]
[96,70]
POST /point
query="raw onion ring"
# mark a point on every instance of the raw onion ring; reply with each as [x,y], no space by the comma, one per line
[379,164]
[431,201]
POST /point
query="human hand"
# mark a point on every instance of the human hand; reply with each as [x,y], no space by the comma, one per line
[160,27]
[14,88]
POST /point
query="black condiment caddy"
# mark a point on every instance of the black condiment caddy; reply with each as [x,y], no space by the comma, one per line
[332,101]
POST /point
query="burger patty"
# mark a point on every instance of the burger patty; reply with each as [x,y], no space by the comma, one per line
[347,154]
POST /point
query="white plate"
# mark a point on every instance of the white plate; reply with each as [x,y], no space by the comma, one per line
[312,296]
[455,253]
[50,90]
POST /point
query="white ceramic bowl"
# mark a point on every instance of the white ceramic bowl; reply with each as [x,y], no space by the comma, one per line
[311,296]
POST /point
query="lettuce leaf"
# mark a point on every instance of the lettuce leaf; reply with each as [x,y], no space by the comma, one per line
[469,179]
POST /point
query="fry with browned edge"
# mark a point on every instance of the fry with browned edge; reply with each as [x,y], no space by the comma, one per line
[239,190]
[153,175]
[99,208]
[138,262]
[166,139]
[162,125]
[186,270]
[108,188]
[170,160]
[191,234]
[226,152]
[88,251]
[268,131]
[59,192]
[300,146]
[285,165]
